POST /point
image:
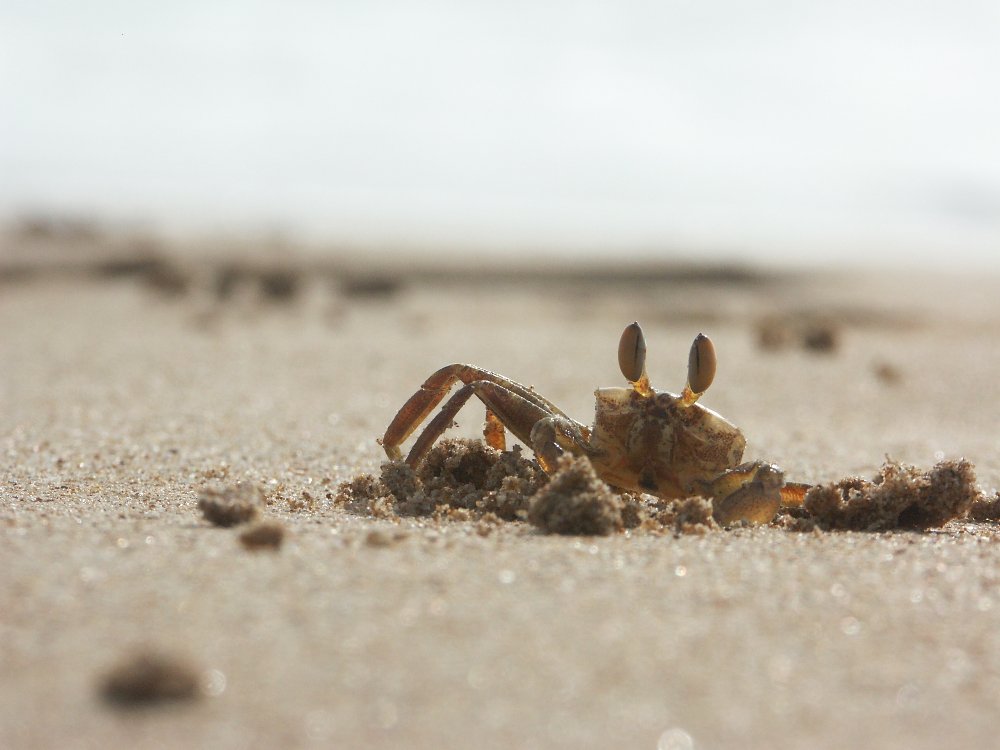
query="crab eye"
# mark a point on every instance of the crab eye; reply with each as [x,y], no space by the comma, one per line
[701,364]
[632,353]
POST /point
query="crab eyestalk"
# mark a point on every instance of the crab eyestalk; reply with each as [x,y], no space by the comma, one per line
[632,359]
[701,369]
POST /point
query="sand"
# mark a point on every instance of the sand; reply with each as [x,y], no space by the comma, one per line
[124,398]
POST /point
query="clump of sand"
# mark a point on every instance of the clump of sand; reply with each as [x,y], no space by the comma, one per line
[364,495]
[148,678]
[232,504]
[986,508]
[900,496]
[688,515]
[635,510]
[457,475]
[576,501]
[264,535]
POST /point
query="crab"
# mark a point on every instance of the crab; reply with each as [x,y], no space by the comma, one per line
[642,440]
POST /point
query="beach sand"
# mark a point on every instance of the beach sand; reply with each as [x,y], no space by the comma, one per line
[128,390]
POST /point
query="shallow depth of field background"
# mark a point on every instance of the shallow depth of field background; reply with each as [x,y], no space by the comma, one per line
[782,131]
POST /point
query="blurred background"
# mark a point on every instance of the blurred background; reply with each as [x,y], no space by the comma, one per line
[779,132]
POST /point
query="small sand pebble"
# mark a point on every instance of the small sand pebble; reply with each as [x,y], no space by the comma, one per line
[263,535]
[821,337]
[147,678]
[886,373]
[382,538]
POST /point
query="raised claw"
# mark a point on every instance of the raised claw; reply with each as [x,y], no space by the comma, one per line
[750,492]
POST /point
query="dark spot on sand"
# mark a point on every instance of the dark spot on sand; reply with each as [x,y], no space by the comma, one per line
[820,337]
[263,535]
[810,332]
[278,285]
[149,678]
[370,286]
[887,373]
[383,538]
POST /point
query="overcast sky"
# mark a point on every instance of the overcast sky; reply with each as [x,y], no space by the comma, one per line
[756,130]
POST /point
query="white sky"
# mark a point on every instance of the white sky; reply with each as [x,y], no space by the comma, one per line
[802,129]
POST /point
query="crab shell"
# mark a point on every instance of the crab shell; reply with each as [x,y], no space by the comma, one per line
[656,444]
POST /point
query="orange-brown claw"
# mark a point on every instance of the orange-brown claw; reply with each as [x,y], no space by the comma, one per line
[750,492]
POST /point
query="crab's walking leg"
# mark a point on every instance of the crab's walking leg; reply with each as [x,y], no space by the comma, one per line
[793,494]
[509,409]
[551,436]
[435,388]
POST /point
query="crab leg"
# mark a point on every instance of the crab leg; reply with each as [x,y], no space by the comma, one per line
[509,410]
[551,436]
[793,494]
[436,387]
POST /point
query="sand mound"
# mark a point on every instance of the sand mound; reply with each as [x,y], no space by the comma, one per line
[466,480]
[689,515]
[457,475]
[900,496]
[576,501]
[985,508]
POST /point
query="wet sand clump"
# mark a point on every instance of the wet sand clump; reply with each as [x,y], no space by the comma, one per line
[231,505]
[148,678]
[457,475]
[985,508]
[900,496]
[576,501]
[365,495]
[263,535]
[635,511]
[688,515]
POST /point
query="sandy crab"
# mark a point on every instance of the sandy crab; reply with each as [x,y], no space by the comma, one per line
[642,440]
